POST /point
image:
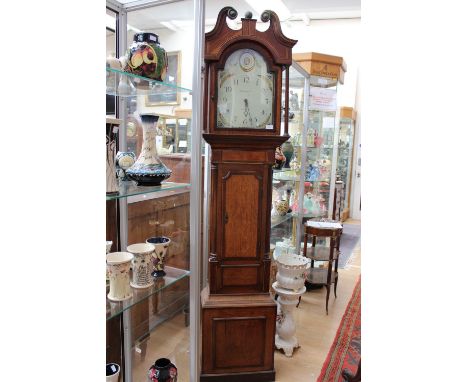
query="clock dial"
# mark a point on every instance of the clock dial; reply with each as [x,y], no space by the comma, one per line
[245,92]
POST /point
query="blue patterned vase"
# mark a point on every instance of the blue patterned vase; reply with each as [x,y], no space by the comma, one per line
[149,170]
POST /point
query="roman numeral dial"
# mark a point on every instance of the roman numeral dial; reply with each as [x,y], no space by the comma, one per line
[245,92]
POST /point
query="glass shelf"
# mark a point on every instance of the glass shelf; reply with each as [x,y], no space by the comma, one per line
[326,147]
[307,215]
[172,276]
[282,170]
[123,84]
[286,176]
[127,189]
[172,301]
[279,219]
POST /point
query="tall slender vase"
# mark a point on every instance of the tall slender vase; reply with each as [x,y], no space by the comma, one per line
[149,170]
[118,264]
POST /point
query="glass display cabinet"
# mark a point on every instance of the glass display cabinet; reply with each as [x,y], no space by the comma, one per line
[319,145]
[345,157]
[286,172]
[160,319]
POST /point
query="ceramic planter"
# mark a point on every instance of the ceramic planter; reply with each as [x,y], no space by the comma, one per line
[142,264]
[291,271]
[285,326]
[149,170]
[112,372]
[118,265]
[161,244]
[163,370]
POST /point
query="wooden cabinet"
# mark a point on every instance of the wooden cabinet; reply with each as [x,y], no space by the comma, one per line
[239,266]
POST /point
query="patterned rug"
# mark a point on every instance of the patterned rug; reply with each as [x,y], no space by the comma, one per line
[349,238]
[345,351]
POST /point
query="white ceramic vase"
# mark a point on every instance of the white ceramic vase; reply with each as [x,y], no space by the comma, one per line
[161,244]
[142,264]
[285,337]
[291,271]
[118,265]
[112,372]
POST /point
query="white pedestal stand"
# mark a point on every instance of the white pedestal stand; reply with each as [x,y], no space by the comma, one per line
[285,325]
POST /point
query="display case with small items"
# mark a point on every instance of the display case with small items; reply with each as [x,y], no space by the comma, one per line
[148,152]
[344,164]
[319,157]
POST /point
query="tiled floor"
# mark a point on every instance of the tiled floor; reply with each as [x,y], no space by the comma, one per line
[315,332]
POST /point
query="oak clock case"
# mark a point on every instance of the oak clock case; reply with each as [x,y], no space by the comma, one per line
[242,123]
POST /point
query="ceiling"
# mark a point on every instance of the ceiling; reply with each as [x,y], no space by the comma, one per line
[178,15]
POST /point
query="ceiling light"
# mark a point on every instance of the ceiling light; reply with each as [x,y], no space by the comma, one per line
[274,5]
[169,25]
[182,24]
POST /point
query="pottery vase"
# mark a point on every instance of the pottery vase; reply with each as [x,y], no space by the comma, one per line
[112,372]
[161,244]
[111,174]
[142,265]
[291,271]
[280,159]
[146,58]
[288,151]
[123,161]
[149,170]
[118,264]
[163,370]
[282,207]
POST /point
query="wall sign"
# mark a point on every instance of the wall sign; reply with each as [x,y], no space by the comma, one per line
[322,99]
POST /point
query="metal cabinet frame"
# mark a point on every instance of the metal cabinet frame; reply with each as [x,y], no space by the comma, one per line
[197,268]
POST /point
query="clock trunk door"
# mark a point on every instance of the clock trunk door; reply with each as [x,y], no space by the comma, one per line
[241,237]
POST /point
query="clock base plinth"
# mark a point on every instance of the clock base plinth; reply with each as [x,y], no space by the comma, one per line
[238,337]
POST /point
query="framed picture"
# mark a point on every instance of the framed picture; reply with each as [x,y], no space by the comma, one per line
[172,77]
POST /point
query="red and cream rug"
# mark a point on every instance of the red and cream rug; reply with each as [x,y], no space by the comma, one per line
[345,351]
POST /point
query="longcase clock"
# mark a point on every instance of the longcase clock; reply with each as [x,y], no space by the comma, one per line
[243,125]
